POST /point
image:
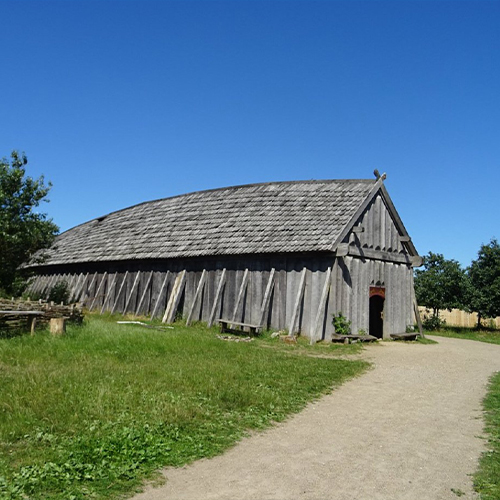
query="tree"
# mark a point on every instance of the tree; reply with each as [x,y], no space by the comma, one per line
[23,231]
[441,284]
[484,281]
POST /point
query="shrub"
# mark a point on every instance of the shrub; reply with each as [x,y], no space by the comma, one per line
[342,324]
[433,323]
[59,293]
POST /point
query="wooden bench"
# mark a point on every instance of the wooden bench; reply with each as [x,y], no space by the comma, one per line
[348,339]
[29,315]
[404,336]
[239,328]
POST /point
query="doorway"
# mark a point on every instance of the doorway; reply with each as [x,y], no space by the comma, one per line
[377,300]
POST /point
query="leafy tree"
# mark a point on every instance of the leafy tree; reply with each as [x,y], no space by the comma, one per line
[23,231]
[441,284]
[484,282]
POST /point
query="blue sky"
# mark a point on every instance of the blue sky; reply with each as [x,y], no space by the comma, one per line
[119,102]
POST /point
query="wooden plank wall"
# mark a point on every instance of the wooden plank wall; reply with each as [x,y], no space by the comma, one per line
[379,230]
[146,291]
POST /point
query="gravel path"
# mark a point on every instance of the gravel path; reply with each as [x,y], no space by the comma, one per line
[406,430]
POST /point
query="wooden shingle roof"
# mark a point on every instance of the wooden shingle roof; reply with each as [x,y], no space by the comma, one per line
[277,217]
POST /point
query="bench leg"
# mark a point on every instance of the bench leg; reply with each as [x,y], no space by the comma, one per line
[31,325]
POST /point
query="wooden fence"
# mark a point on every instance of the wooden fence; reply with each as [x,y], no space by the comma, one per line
[456,317]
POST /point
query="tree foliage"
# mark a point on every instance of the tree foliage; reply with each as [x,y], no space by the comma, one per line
[23,230]
[484,282]
[441,284]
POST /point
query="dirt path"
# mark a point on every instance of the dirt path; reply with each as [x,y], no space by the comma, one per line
[408,429]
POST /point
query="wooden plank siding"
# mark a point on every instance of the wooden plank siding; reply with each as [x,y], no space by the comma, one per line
[147,291]
[299,292]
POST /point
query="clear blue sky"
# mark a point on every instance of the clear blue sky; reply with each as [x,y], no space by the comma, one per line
[119,102]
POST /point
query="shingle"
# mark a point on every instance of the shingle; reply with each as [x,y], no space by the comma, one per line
[303,216]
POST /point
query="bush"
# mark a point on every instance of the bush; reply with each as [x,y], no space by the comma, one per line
[59,293]
[342,324]
[433,323]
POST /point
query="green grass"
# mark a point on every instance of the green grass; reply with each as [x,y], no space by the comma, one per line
[490,336]
[94,413]
[487,478]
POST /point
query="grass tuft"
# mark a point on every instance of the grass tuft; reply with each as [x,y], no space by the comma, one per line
[487,478]
[94,413]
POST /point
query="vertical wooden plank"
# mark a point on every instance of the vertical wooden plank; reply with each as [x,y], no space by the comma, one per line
[320,315]
[79,291]
[241,294]
[50,284]
[304,321]
[292,281]
[277,310]
[364,294]
[211,288]
[196,296]
[86,291]
[144,294]
[339,285]
[347,283]
[157,300]
[355,295]
[99,289]
[389,299]
[376,223]
[264,309]
[38,284]
[109,292]
[388,231]
[369,235]
[175,296]
[382,225]
[74,284]
[132,291]
[298,300]
[217,298]
[255,295]
[120,290]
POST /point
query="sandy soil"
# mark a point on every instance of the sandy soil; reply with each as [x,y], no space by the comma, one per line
[408,429]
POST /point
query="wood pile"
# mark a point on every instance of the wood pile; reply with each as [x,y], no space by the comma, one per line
[50,310]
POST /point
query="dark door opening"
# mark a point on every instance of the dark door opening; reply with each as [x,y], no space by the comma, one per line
[377,316]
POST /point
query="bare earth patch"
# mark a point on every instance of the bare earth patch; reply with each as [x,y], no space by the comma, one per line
[408,429]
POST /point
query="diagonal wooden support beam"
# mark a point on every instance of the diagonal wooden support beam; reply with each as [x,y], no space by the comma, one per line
[144,293]
[160,295]
[197,295]
[175,297]
[217,299]
[132,291]
[298,301]
[120,290]
[267,297]
[241,293]
[99,288]
[108,292]
[92,281]
[320,315]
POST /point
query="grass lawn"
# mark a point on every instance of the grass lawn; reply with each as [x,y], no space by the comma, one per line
[490,336]
[92,414]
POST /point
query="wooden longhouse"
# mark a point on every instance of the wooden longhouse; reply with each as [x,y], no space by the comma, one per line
[284,255]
